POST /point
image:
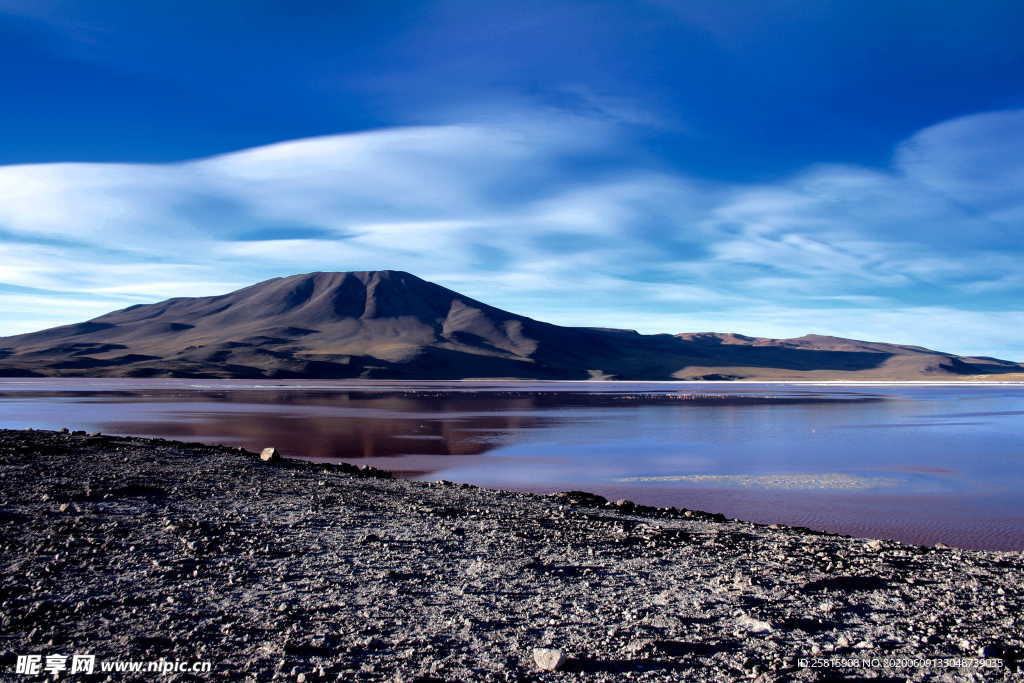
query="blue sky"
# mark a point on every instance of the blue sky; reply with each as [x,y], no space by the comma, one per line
[770,168]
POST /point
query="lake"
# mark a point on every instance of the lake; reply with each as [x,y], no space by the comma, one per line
[921,463]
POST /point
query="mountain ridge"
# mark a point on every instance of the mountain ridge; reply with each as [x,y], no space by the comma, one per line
[390,324]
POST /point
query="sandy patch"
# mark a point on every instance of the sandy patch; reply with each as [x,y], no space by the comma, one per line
[778,481]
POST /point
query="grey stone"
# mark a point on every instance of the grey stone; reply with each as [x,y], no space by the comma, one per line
[548,659]
[754,625]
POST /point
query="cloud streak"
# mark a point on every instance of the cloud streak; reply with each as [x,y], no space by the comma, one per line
[552,217]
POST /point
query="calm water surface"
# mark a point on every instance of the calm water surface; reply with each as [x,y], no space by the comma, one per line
[919,463]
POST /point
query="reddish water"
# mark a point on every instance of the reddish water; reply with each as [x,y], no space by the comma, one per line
[932,463]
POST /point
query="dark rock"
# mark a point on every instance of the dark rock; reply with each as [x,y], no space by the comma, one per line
[582,498]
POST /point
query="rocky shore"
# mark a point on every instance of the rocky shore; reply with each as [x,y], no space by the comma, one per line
[136,549]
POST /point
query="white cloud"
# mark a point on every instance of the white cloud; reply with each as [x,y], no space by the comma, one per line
[976,160]
[521,216]
[133,204]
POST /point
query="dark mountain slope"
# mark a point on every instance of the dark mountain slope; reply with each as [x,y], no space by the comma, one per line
[390,324]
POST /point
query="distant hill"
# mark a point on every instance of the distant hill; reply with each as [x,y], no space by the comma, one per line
[394,325]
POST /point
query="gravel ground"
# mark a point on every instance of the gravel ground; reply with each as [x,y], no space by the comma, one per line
[139,549]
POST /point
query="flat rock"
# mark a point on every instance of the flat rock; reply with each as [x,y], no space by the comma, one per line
[548,659]
[753,625]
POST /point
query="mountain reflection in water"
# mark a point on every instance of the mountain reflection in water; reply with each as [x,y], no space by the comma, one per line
[350,427]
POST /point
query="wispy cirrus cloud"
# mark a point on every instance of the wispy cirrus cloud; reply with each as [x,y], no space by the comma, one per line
[548,216]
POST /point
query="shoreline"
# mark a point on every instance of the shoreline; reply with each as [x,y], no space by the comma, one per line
[969,380]
[329,572]
[886,520]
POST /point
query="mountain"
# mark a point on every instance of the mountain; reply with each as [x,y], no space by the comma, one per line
[394,325]
[815,356]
